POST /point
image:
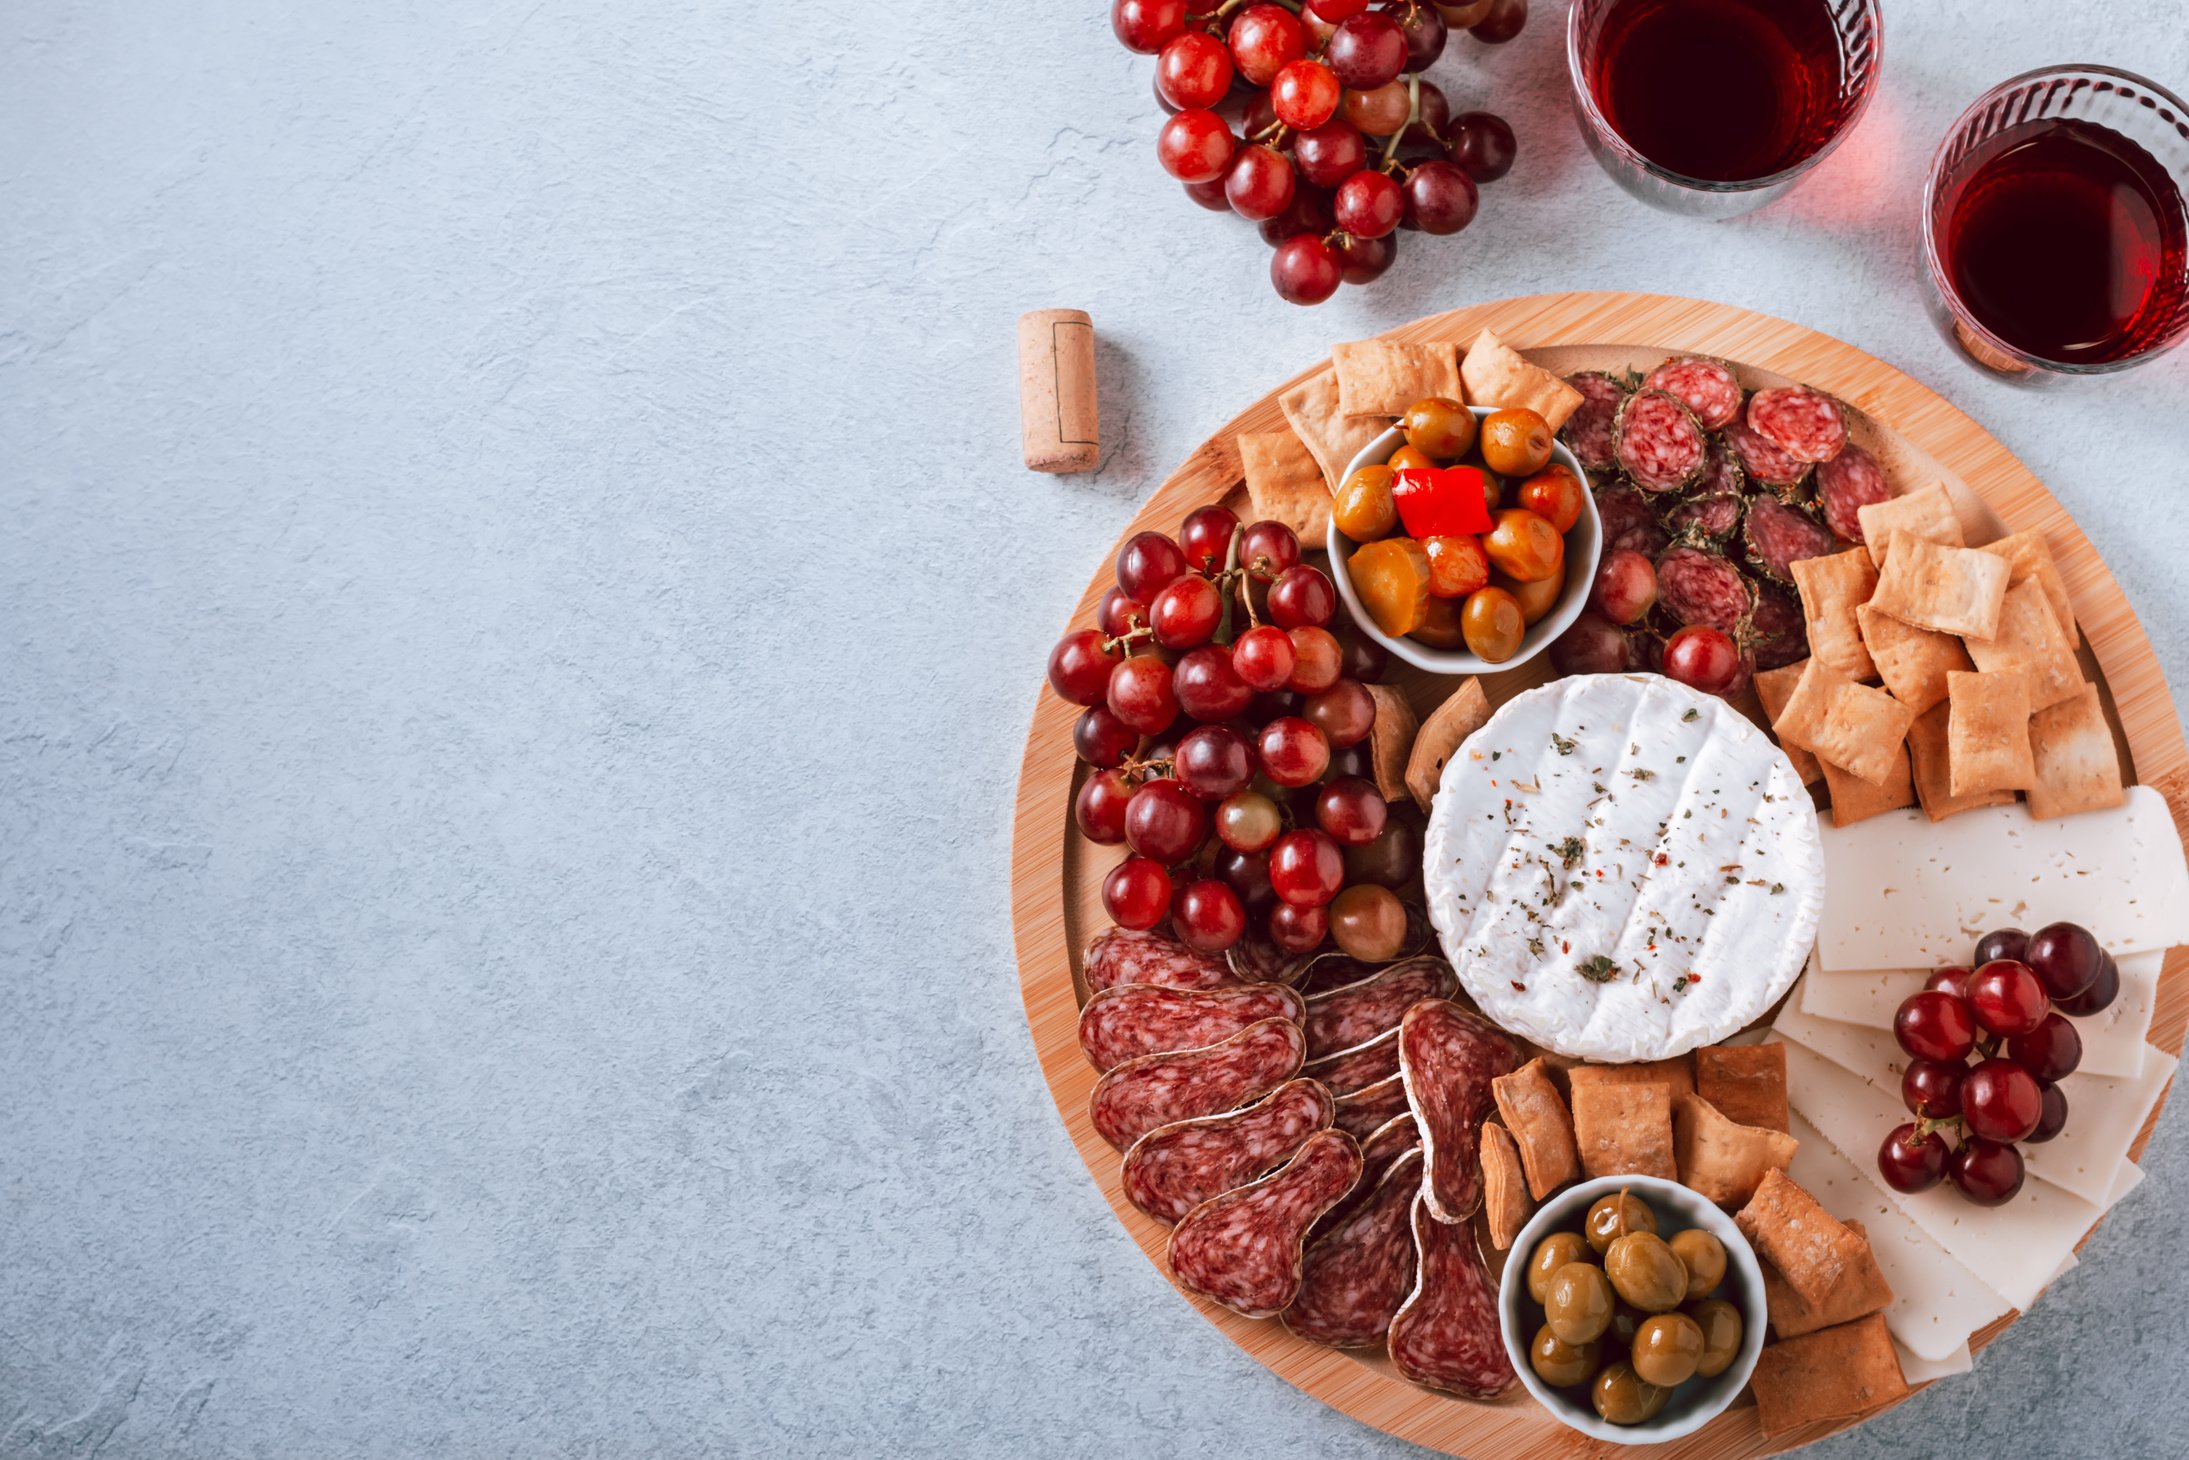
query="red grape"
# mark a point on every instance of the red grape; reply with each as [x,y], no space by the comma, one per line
[1703,658]
[1193,71]
[1146,562]
[1099,808]
[1209,916]
[1364,260]
[1440,197]
[1209,195]
[1264,40]
[1316,661]
[1954,981]
[1482,144]
[1932,1088]
[1213,762]
[1269,547]
[2100,995]
[1935,1026]
[1297,928]
[1367,51]
[1910,1162]
[1195,146]
[1351,810]
[1276,704]
[1331,153]
[1507,18]
[1360,658]
[1147,26]
[2051,1051]
[1163,821]
[1391,860]
[1305,270]
[1307,868]
[2006,998]
[1247,873]
[1625,587]
[2000,1100]
[1259,183]
[1137,893]
[1345,713]
[1424,30]
[1986,1172]
[2001,943]
[2054,1119]
[1263,657]
[1379,111]
[1336,11]
[1593,645]
[2065,958]
[1302,596]
[1293,752]
[1142,696]
[1101,738]
[1368,205]
[1119,611]
[1207,686]
[1248,822]
[1186,612]
[1308,212]
[1434,115]
[1305,95]
[1205,537]
[1080,667]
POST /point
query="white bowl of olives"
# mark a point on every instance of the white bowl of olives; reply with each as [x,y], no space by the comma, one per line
[1632,1309]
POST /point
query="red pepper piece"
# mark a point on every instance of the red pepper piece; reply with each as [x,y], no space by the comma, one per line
[1443,501]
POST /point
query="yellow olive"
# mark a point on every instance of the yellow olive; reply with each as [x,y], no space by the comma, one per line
[1578,1306]
[1720,1322]
[1551,1254]
[1624,1397]
[1667,1348]
[1558,1363]
[1645,1273]
[1704,1258]
[1615,1216]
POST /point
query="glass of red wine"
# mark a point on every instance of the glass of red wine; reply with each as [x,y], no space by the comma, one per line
[1714,108]
[2055,228]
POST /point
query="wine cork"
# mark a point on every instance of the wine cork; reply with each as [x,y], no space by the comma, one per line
[1058,424]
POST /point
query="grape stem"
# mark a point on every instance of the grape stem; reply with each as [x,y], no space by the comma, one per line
[1224,634]
[1130,637]
[1413,115]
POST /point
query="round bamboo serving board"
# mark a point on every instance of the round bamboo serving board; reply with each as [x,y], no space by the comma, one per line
[1056,874]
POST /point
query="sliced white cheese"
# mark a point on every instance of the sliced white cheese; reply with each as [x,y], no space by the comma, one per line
[1903,892]
[1918,1370]
[2127,1179]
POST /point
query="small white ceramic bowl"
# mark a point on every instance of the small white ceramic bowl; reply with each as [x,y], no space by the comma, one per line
[1698,1401]
[1584,544]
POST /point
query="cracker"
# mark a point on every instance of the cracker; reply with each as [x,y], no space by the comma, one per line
[1505,1197]
[1774,687]
[1376,378]
[1864,1292]
[1933,768]
[2031,639]
[1987,734]
[1311,408]
[1854,799]
[1676,1074]
[1391,740]
[2030,560]
[1863,731]
[1284,483]
[1832,588]
[1624,1130]
[1913,662]
[1806,1243]
[1495,375]
[1541,1127]
[1747,1082]
[1803,712]
[1723,1159]
[1463,713]
[1836,1373]
[1927,514]
[2077,768]
[1953,590]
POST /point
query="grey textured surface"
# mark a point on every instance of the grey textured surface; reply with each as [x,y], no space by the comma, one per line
[518,612]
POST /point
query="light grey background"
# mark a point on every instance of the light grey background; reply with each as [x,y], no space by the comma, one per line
[518,613]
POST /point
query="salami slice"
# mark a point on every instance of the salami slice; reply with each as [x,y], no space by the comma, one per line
[1356,1012]
[1846,484]
[1134,1019]
[1621,507]
[1778,632]
[1765,463]
[1779,536]
[1722,473]
[1705,519]
[1705,386]
[1357,1066]
[1806,424]
[1379,1148]
[1446,1335]
[1358,1271]
[1160,1089]
[1448,1058]
[1588,430]
[1659,443]
[1171,1170]
[1122,956]
[1696,586]
[1371,1107]
[1244,1249]
[1327,971]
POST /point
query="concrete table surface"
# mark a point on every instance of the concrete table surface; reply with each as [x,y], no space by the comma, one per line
[518,612]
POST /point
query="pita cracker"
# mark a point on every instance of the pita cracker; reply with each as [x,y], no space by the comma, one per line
[1723,1159]
[1541,1127]
[1832,588]
[1854,799]
[1774,687]
[1505,1198]
[1391,740]
[1463,712]
[1832,1374]
[1927,514]
[1676,1075]
[1284,483]
[1864,731]
[1495,375]
[2031,639]
[1953,590]
[1376,378]
[2077,769]
[1806,1243]
[2029,559]
[1933,769]
[1987,733]
[1311,409]
[1913,662]
[1747,1082]
[1800,717]
[1864,1291]
[1624,1130]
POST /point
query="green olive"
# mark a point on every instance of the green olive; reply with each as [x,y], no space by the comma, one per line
[1551,1254]
[1615,1216]
[1704,1258]
[1668,1348]
[1645,1273]
[1578,1306]
[1624,1397]
[1720,1323]
[1558,1363]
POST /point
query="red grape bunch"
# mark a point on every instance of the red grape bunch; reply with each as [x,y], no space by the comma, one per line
[1227,725]
[1313,120]
[2009,1011]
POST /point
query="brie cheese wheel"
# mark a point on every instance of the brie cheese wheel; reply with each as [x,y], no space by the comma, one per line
[1621,868]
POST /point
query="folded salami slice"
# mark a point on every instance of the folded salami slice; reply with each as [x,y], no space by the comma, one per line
[1588,430]
[1244,1249]
[1358,1271]
[1448,1058]
[1122,956]
[1135,1019]
[1371,1107]
[1358,1066]
[1659,443]
[1778,631]
[1806,424]
[1348,1015]
[1705,517]
[1445,1335]
[1705,386]
[1379,1148]
[1697,586]
[1846,484]
[1160,1089]
[1257,960]
[1327,971]
[1779,536]
[1171,1170]
[1764,462]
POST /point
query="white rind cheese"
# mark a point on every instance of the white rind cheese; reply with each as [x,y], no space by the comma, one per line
[1621,868]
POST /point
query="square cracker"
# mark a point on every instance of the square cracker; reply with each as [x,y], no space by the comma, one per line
[1541,1127]
[1723,1159]
[1864,1292]
[1311,408]
[1933,768]
[1676,1074]
[1747,1082]
[2077,769]
[1774,687]
[1624,1130]
[1987,733]
[1927,514]
[1832,588]
[2030,560]
[1376,378]
[1505,1199]
[2031,639]
[1854,799]
[1913,662]
[1495,375]
[1835,1373]
[1284,482]
[1806,1243]
[1863,731]
[1802,713]
[1953,590]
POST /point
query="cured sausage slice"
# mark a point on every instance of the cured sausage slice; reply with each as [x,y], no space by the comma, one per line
[1846,484]
[1134,1019]
[1358,1066]
[1361,1268]
[1124,956]
[1722,473]
[1705,386]
[1696,586]
[1170,1171]
[1779,536]
[1806,424]
[1778,632]
[1764,462]
[1257,960]
[1448,1057]
[1445,1335]
[1658,442]
[1159,1089]
[1620,508]
[1326,971]
[1588,430]
[1371,1107]
[1705,518]
[1379,1148]
[1244,1249]
[1343,1017]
